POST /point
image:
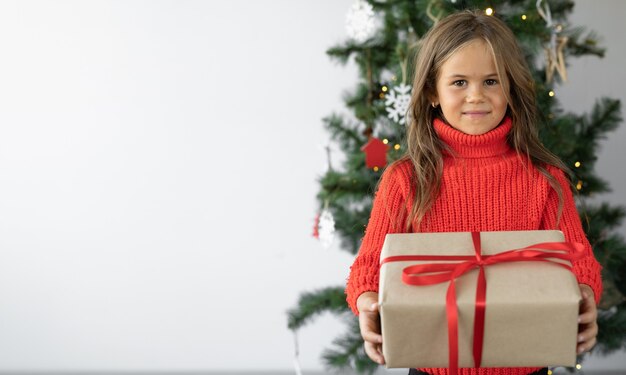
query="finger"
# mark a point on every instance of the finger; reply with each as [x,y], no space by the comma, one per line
[587,294]
[374,307]
[587,317]
[369,326]
[372,337]
[585,346]
[587,312]
[588,333]
[368,304]
[370,331]
[379,348]
[584,293]
[373,353]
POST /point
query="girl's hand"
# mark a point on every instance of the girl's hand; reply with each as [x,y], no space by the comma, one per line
[369,323]
[587,325]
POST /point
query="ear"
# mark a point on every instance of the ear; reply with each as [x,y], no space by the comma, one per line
[433,99]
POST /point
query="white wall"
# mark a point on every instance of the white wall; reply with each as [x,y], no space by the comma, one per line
[158,166]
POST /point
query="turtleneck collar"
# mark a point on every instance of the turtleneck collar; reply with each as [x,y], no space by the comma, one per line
[492,143]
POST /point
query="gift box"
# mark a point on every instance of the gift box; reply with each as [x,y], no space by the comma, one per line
[527,297]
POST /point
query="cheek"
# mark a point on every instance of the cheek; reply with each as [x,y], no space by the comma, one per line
[503,102]
[451,98]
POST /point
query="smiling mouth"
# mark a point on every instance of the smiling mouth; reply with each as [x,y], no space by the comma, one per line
[475,115]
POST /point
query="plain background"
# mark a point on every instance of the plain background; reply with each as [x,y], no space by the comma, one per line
[158,166]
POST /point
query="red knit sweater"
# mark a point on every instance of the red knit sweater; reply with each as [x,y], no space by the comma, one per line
[486,187]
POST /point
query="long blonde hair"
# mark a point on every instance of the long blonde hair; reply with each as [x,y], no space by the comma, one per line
[425,149]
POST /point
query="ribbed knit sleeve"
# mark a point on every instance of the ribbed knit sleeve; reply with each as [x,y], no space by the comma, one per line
[388,212]
[587,269]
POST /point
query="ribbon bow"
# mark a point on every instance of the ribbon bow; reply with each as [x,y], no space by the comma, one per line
[435,273]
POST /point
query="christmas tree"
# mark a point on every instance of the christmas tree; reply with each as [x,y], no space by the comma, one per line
[384,38]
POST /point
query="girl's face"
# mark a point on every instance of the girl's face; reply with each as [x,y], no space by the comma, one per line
[468,89]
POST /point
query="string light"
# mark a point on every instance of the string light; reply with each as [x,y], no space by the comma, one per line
[385,141]
[489,11]
[549,372]
[384,89]
[394,78]
[551,93]
[578,366]
[375,169]
[396,147]
[579,185]
[381,95]
[577,164]
[523,17]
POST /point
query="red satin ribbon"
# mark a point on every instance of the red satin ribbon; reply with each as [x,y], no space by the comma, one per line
[435,273]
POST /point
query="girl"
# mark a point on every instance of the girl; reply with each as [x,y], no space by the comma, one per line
[474,163]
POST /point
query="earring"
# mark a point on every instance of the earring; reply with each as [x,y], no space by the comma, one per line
[434,105]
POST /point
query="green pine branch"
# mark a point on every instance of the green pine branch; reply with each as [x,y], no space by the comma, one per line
[348,352]
[612,330]
[311,304]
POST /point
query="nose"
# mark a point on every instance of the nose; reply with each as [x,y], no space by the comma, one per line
[475,94]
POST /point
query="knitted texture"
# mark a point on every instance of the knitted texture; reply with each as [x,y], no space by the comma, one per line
[486,186]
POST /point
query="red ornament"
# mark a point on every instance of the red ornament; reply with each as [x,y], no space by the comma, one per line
[316,227]
[375,153]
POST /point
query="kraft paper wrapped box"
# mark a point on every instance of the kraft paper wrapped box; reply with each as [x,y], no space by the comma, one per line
[531,306]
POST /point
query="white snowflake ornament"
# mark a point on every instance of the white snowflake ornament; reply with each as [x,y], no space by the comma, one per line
[398,103]
[326,228]
[360,23]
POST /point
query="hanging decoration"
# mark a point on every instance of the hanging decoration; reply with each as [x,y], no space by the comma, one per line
[375,153]
[360,22]
[326,227]
[398,99]
[429,12]
[397,103]
[296,361]
[316,225]
[555,59]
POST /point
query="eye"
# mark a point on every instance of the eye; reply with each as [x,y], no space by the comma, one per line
[459,83]
[491,82]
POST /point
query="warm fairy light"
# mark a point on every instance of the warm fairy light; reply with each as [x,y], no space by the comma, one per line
[396,147]
[524,17]
[489,11]
[381,95]
[578,366]
[384,88]
[549,372]
[393,78]
[579,185]
[577,164]
[551,93]
[385,141]
[375,169]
